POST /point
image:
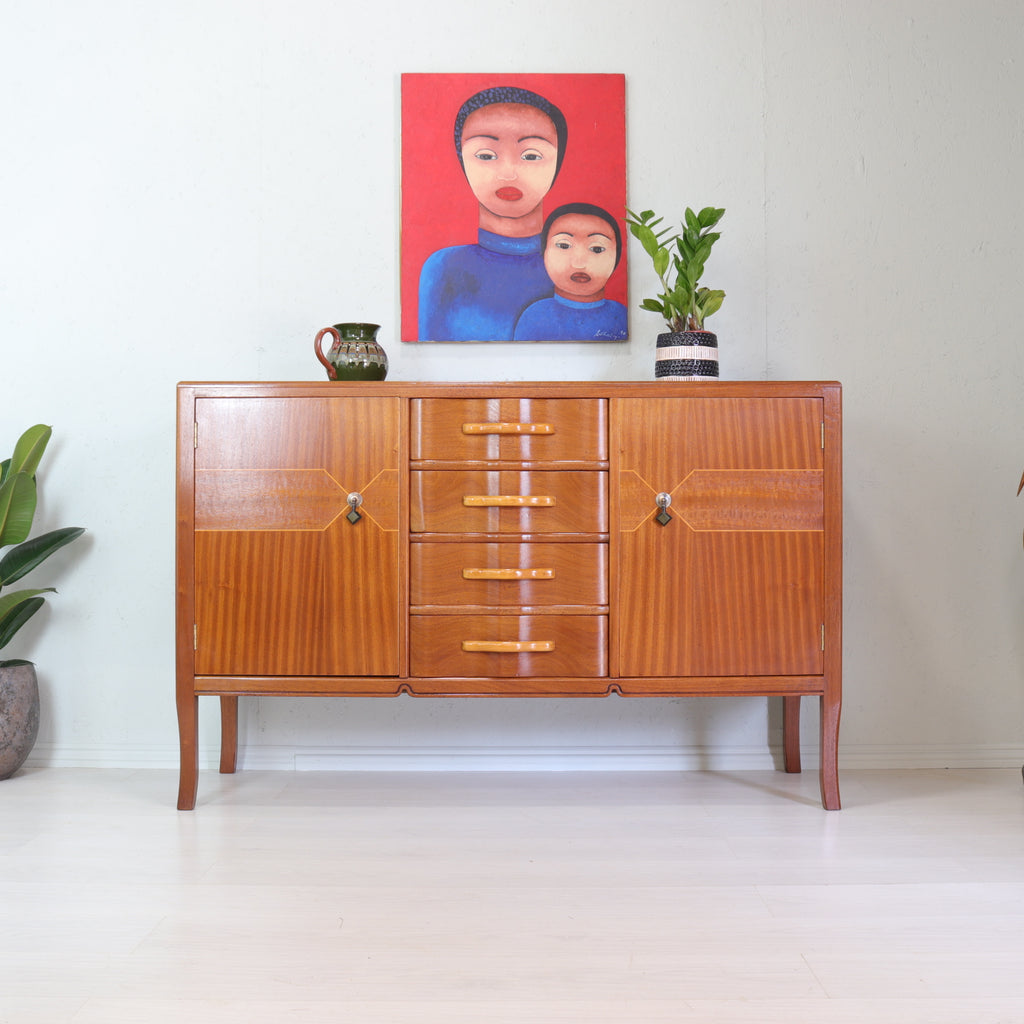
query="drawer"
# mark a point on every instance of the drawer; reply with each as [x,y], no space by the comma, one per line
[509,575]
[509,429]
[508,645]
[509,501]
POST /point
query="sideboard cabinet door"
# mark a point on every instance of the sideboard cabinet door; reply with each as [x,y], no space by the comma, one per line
[285,583]
[732,583]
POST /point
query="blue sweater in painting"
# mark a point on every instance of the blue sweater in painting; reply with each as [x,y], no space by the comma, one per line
[558,319]
[476,292]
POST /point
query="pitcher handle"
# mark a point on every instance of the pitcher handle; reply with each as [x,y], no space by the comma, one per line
[331,372]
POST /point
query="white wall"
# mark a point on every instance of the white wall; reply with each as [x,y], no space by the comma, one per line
[191,189]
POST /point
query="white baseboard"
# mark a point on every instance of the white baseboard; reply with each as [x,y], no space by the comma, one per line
[965,755]
[534,759]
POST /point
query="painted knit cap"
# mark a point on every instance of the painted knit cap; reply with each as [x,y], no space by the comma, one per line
[512,94]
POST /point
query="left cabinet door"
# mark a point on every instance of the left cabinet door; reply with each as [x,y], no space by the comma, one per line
[285,584]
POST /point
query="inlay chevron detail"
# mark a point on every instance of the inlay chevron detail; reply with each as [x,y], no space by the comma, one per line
[730,499]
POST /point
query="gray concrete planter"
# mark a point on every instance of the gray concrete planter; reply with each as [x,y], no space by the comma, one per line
[19,715]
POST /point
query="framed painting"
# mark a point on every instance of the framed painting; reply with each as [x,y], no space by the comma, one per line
[513,200]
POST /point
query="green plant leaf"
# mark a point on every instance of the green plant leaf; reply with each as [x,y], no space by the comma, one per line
[16,617]
[653,305]
[651,244]
[646,238]
[719,298]
[17,508]
[25,557]
[711,302]
[702,250]
[638,216]
[709,216]
[29,449]
[636,230]
[13,614]
[661,261]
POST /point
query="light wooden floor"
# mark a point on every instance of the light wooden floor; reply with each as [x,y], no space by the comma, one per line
[492,898]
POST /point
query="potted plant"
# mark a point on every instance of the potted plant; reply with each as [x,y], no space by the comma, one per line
[687,351]
[19,688]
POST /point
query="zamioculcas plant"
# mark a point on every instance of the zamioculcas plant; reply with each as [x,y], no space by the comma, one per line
[679,260]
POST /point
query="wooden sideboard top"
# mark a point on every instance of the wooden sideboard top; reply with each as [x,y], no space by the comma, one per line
[441,389]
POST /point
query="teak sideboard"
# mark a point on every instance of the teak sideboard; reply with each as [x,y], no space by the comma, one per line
[509,540]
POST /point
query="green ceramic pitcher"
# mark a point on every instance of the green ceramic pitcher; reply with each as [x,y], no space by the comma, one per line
[355,354]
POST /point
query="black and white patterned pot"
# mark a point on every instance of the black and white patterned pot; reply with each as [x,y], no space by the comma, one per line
[686,355]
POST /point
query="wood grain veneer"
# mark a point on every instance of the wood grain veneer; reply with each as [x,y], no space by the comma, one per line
[507,545]
[508,575]
[520,429]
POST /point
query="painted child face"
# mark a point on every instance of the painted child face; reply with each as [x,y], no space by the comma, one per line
[509,151]
[580,256]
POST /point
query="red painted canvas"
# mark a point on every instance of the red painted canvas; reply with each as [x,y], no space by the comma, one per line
[513,199]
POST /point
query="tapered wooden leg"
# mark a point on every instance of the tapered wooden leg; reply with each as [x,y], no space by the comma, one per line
[188,729]
[830,753]
[228,734]
[791,733]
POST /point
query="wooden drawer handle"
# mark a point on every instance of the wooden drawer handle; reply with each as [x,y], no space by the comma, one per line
[508,500]
[508,646]
[508,574]
[507,428]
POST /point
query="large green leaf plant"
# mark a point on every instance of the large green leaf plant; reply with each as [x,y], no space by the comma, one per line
[679,259]
[18,497]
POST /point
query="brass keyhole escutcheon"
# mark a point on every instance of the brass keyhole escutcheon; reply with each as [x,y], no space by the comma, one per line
[355,499]
[663,500]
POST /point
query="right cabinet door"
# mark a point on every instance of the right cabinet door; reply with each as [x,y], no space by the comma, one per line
[732,583]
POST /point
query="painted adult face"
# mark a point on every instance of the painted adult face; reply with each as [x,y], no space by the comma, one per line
[580,256]
[509,152]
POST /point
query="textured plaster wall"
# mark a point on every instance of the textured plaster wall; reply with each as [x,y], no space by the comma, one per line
[190,190]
